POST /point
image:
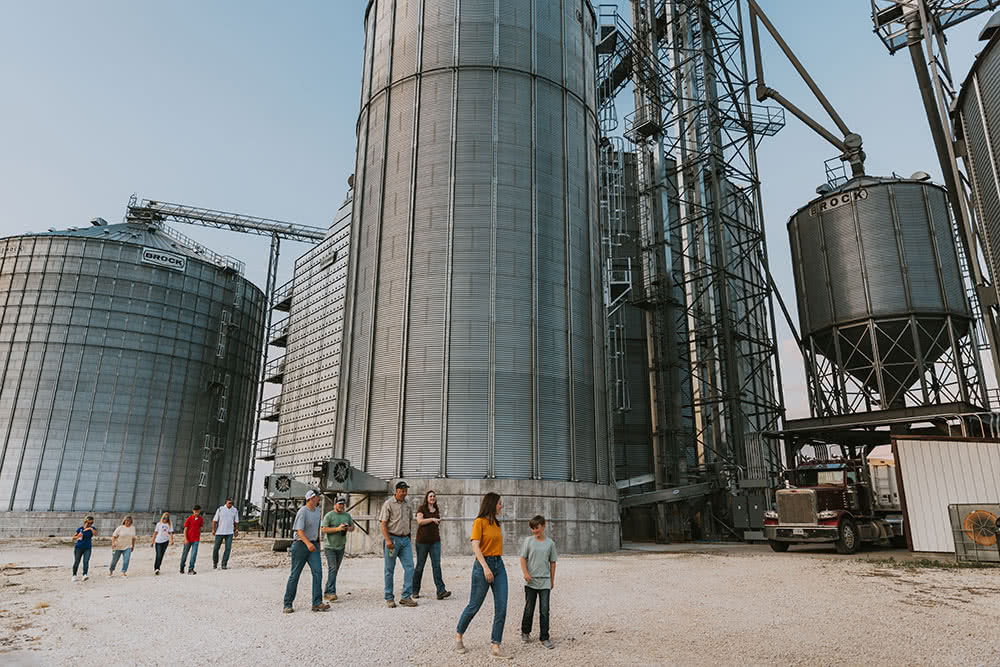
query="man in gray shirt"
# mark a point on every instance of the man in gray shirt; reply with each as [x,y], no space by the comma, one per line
[305,549]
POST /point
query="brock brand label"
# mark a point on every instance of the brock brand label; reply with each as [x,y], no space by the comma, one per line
[836,201]
[163,258]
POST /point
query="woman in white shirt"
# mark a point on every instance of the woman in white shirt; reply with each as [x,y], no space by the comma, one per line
[163,536]
[122,543]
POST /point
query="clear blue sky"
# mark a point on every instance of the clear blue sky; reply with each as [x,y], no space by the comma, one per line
[250,106]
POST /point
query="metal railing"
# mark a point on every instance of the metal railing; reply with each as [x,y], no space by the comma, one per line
[265,448]
[275,368]
[282,294]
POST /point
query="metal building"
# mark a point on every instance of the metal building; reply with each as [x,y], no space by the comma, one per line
[976,118]
[310,369]
[474,322]
[128,359]
[884,316]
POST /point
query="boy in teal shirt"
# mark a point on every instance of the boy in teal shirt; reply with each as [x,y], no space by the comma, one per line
[538,565]
[335,526]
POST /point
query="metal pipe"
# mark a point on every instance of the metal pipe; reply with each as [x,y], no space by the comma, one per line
[755,13]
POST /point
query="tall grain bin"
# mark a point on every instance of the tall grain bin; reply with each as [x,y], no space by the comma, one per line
[885,321]
[474,328]
[129,365]
[977,114]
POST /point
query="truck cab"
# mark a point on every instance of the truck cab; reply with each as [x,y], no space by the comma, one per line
[831,502]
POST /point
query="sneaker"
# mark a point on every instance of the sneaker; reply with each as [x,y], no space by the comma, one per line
[321,607]
[287,610]
[525,637]
[215,566]
[460,647]
[391,604]
[330,597]
[124,574]
[156,572]
[192,572]
[547,643]
[85,577]
[182,569]
[416,595]
[111,573]
[444,594]
[225,567]
[497,653]
[408,602]
[74,578]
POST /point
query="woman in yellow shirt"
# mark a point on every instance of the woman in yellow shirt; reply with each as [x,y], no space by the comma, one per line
[487,572]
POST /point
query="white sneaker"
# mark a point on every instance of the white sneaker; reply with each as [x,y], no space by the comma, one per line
[74,578]
[110,573]
[85,577]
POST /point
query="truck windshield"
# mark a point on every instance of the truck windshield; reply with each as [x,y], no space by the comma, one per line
[818,478]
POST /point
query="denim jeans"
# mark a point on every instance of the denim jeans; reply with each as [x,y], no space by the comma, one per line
[530,594]
[300,556]
[477,594]
[193,548]
[405,555]
[229,548]
[334,557]
[79,554]
[124,554]
[434,551]
[161,549]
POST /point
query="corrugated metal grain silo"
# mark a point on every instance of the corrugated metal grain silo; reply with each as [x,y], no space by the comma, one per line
[129,369]
[474,329]
[884,316]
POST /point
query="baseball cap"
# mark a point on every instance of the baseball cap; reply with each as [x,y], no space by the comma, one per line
[311,494]
[401,484]
[339,500]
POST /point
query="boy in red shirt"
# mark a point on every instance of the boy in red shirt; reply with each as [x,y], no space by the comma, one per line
[192,537]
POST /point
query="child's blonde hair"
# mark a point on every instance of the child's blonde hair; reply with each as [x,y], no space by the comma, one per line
[165,517]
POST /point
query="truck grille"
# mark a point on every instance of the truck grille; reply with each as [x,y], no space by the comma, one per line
[796,507]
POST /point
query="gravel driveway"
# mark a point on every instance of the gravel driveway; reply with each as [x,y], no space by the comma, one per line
[628,608]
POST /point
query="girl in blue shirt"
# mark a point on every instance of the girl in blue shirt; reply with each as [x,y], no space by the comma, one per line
[81,551]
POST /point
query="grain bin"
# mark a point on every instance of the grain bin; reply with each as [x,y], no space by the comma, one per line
[884,318]
[129,363]
[474,337]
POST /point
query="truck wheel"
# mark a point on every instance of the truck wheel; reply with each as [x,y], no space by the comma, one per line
[848,542]
[780,547]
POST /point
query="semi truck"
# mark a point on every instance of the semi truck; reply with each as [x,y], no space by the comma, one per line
[842,502]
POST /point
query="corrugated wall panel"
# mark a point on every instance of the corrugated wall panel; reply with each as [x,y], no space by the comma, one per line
[425,354]
[926,290]
[514,392]
[383,425]
[439,34]
[548,27]
[468,381]
[552,351]
[937,473]
[515,34]
[476,32]
[405,39]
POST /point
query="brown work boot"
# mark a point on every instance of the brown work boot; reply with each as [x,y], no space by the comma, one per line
[408,602]
[330,597]
[391,604]
[497,653]
[321,607]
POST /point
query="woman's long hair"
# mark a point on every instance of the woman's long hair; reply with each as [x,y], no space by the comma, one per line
[488,508]
[166,515]
[425,506]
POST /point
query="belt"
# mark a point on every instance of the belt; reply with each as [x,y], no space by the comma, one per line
[400,534]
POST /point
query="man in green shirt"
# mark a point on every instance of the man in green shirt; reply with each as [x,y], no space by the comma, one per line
[336,524]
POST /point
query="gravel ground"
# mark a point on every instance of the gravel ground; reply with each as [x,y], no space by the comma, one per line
[629,608]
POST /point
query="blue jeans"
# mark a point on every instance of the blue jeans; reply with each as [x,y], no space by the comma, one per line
[300,556]
[193,548]
[434,551]
[530,594]
[334,557]
[79,554]
[477,594]
[124,554]
[229,548]
[405,555]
